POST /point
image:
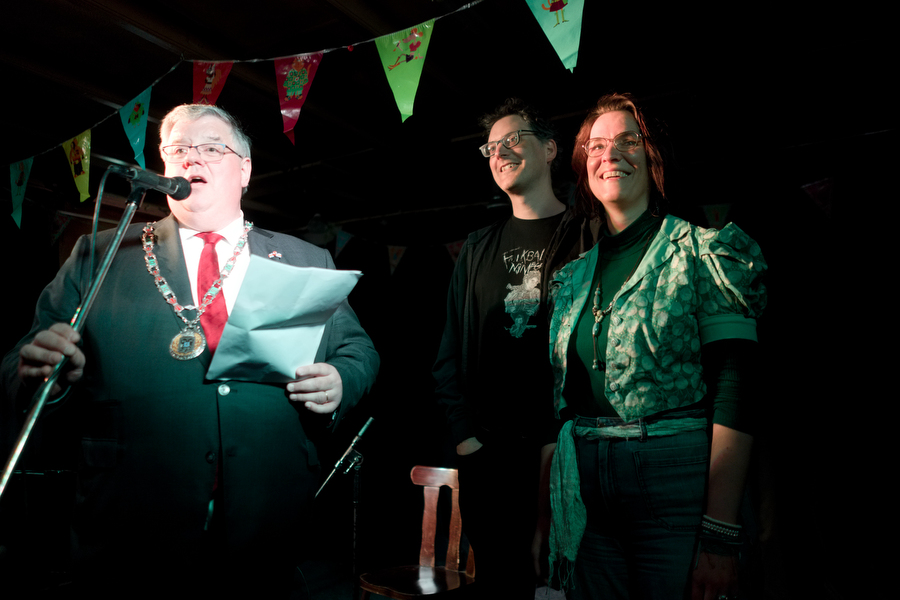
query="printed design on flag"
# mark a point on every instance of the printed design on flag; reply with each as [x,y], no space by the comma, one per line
[136,113]
[76,155]
[208,85]
[296,79]
[557,7]
[21,177]
[413,43]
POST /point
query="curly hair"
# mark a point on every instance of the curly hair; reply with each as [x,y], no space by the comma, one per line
[541,126]
[585,203]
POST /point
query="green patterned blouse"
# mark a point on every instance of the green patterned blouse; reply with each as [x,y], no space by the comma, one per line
[693,286]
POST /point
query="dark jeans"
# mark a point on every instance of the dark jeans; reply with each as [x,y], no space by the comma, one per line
[644,503]
[498,488]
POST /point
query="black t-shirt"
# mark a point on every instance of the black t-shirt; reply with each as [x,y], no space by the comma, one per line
[512,386]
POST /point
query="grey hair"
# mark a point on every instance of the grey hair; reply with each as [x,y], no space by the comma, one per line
[192,112]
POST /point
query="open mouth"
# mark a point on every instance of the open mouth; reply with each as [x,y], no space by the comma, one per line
[196,179]
[615,174]
[507,167]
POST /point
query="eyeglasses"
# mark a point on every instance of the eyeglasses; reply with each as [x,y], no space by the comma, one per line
[511,139]
[624,142]
[210,153]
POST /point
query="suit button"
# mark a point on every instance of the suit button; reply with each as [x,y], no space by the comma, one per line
[224,389]
[211,457]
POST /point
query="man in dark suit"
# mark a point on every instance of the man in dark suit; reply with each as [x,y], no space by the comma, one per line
[184,481]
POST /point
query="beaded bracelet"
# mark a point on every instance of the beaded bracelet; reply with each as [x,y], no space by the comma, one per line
[719,537]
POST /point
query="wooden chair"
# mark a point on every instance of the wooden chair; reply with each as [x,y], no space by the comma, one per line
[405,583]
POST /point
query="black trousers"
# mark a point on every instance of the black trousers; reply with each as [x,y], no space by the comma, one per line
[498,492]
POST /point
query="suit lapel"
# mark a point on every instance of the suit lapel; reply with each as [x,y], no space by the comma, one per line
[171,260]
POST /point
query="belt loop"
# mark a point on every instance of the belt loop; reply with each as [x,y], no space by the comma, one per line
[643,430]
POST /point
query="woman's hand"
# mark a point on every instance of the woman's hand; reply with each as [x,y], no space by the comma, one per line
[540,545]
[715,576]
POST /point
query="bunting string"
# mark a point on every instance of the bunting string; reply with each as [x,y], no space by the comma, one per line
[294,77]
[104,119]
[247,60]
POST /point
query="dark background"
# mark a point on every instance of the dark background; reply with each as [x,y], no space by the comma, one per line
[757,103]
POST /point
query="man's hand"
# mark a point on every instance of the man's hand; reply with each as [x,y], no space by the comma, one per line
[540,545]
[468,446]
[318,386]
[38,359]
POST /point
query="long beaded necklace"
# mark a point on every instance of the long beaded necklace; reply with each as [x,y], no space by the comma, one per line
[189,342]
[600,313]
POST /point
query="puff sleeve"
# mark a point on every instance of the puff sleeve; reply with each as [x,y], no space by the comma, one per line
[730,286]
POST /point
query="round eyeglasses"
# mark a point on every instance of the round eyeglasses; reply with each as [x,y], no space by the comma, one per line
[209,153]
[624,142]
[508,141]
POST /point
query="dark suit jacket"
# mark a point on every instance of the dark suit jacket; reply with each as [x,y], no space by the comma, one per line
[151,429]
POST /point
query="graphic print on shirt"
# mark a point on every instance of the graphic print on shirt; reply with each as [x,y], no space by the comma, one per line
[523,300]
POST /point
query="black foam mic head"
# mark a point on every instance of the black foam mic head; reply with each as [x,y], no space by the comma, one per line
[182,188]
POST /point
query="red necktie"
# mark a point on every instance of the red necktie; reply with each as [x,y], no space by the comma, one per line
[214,317]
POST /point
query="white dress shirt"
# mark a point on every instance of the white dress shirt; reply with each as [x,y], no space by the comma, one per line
[193,246]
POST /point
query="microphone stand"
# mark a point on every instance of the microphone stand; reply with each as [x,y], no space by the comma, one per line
[352,459]
[135,198]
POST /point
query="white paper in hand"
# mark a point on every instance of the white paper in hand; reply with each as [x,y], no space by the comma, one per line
[278,320]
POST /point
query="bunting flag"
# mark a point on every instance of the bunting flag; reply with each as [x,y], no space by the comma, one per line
[403,57]
[209,79]
[134,121]
[18,181]
[342,239]
[78,153]
[294,76]
[561,22]
[395,253]
[402,54]
[716,214]
[453,248]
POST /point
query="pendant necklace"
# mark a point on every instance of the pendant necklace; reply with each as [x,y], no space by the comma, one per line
[600,313]
[189,342]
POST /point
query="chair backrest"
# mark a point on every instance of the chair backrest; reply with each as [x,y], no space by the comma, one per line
[432,478]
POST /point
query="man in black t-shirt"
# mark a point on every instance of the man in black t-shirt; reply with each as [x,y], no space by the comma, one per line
[493,372]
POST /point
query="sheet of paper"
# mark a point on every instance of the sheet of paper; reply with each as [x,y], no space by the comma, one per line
[278,320]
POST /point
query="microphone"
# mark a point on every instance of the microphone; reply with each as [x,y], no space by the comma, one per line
[355,458]
[363,430]
[177,188]
[353,443]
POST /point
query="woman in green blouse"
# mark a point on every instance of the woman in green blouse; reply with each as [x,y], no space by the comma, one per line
[650,334]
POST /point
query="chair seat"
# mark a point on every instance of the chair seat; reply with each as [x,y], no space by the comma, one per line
[425,580]
[405,583]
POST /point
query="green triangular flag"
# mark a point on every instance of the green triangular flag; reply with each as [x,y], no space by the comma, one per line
[402,55]
[561,22]
[134,121]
